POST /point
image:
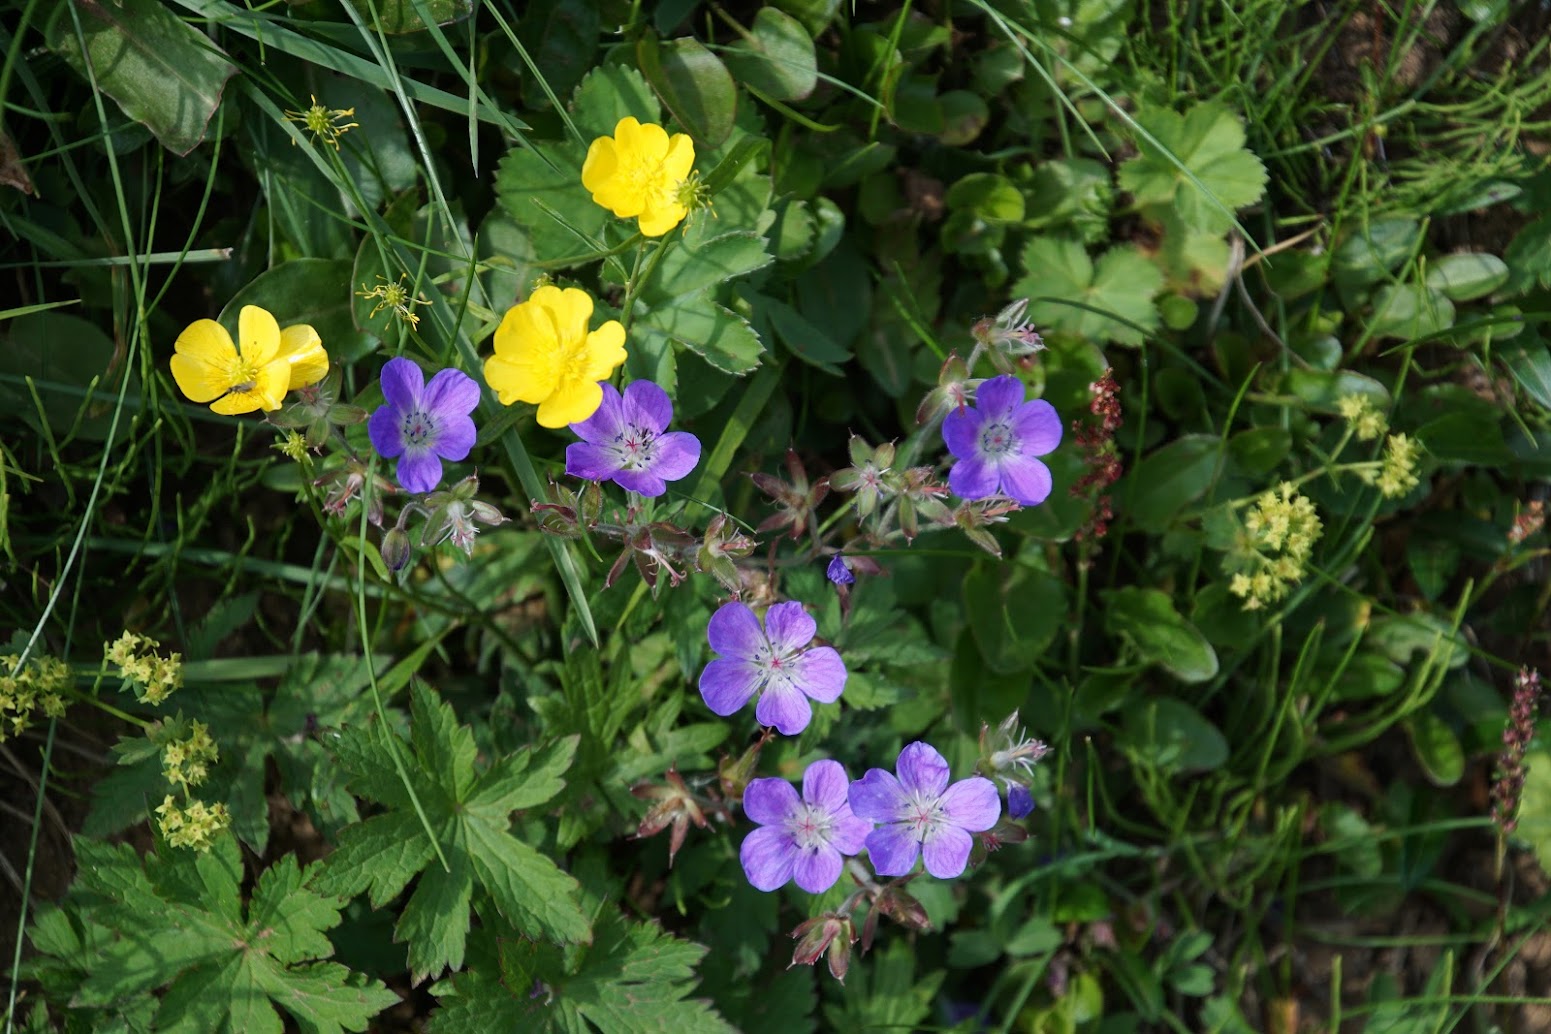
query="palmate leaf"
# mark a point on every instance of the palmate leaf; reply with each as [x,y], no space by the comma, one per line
[1110,300]
[470,812]
[1208,141]
[634,979]
[177,923]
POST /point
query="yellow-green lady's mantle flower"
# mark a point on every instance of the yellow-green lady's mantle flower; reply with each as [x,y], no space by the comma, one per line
[253,374]
[641,171]
[545,354]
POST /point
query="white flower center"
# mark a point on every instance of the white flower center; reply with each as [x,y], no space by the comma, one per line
[418,428]
[635,447]
[997,439]
[810,826]
[923,814]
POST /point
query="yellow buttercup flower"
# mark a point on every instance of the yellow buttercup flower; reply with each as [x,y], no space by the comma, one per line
[545,354]
[253,374]
[641,171]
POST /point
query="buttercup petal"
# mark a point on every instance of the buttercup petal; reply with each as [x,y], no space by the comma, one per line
[946,852]
[726,685]
[600,165]
[877,796]
[767,855]
[1026,480]
[893,849]
[770,801]
[605,350]
[271,382]
[789,627]
[922,770]
[237,402]
[204,359]
[607,423]
[999,396]
[734,631]
[816,870]
[783,706]
[569,307]
[302,350]
[1038,427]
[524,378]
[961,431]
[821,674]
[973,478]
[657,220]
[403,384]
[258,335]
[825,783]
[972,803]
[570,403]
[680,159]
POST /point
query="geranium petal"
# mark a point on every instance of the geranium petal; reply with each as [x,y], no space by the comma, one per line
[817,869]
[641,482]
[258,335]
[734,631]
[726,685]
[999,396]
[783,706]
[821,674]
[402,384]
[789,627]
[647,405]
[922,770]
[451,392]
[849,833]
[419,470]
[825,784]
[455,436]
[946,852]
[385,429]
[893,849]
[677,454]
[607,423]
[590,462]
[877,796]
[961,431]
[303,352]
[770,801]
[1026,480]
[1038,427]
[767,855]
[972,803]
[973,478]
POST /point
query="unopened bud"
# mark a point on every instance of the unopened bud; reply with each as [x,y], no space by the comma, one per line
[395,549]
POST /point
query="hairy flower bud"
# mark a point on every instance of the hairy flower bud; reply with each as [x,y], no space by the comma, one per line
[395,549]
[829,934]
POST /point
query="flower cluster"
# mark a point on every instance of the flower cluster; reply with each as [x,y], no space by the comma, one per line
[256,372]
[152,677]
[1100,455]
[186,762]
[1282,530]
[1397,468]
[196,826]
[37,685]
[896,818]
[1360,412]
[1508,780]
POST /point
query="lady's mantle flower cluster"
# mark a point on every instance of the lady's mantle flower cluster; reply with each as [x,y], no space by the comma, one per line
[152,677]
[1366,421]
[641,173]
[195,826]
[1282,529]
[37,685]
[1397,468]
[254,373]
[895,818]
[186,761]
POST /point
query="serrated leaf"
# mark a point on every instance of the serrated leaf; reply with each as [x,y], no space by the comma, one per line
[314,291]
[1103,302]
[162,71]
[715,333]
[692,267]
[1208,141]
[541,188]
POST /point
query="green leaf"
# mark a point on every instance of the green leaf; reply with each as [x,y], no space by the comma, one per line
[1535,802]
[1530,364]
[400,16]
[807,341]
[176,921]
[1196,165]
[1158,490]
[1410,311]
[1173,736]
[471,818]
[62,354]
[562,40]
[1464,277]
[1103,302]
[162,71]
[776,57]
[608,94]
[1147,619]
[1014,613]
[715,333]
[689,268]
[693,83]
[1373,250]
[314,291]
[541,188]
[1436,748]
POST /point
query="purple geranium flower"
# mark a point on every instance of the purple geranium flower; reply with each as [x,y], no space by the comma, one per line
[838,571]
[996,442]
[624,441]
[423,424]
[801,837]
[773,660]
[920,813]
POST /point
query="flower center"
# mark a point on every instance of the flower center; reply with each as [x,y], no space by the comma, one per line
[775,666]
[418,429]
[922,814]
[241,374]
[997,439]
[810,826]
[648,179]
[635,447]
